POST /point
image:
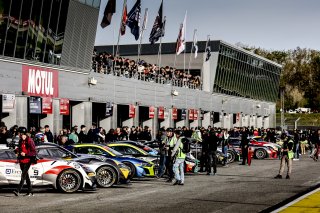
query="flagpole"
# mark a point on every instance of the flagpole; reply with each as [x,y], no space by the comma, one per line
[192,46]
[185,40]
[118,49]
[142,30]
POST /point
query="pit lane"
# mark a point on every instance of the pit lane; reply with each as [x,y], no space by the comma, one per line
[234,189]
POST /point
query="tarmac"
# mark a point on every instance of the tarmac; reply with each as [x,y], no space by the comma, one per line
[233,189]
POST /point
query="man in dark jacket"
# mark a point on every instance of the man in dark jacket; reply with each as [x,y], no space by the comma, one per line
[212,153]
[82,135]
[244,145]
[48,133]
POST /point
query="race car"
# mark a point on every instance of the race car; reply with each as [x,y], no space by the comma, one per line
[108,171]
[140,145]
[138,167]
[66,176]
[258,151]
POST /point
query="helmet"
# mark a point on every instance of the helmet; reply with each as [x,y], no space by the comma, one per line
[22,130]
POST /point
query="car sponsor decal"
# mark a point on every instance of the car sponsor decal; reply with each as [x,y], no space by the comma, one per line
[56,170]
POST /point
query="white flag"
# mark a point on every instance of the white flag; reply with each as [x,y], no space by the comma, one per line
[195,44]
[181,41]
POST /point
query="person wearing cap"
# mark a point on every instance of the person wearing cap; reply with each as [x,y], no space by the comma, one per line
[179,158]
[287,156]
[164,153]
[25,151]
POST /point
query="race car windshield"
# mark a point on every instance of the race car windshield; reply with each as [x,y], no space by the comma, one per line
[116,153]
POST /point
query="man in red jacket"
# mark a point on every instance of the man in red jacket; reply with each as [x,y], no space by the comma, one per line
[25,151]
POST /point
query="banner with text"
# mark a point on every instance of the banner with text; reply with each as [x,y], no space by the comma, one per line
[35,105]
[64,106]
[38,81]
[8,102]
[174,113]
[151,112]
[132,111]
[46,105]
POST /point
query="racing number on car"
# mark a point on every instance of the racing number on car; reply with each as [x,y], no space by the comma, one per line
[36,172]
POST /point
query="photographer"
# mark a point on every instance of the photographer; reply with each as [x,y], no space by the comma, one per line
[25,152]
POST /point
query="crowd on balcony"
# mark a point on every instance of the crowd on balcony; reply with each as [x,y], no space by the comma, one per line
[108,64]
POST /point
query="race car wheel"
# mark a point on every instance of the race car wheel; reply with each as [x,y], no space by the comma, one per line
[260,154]
[69,181]
[132,168]
[106,176]
[231,156]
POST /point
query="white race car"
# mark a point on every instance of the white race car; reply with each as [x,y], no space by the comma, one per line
[66,176]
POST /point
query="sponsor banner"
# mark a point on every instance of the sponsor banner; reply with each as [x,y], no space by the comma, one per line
[151,112]
[191,115]
[183,114]
[46,105]
[38,81]
[64,106]
[174,113]
[35,105]
[238,117]
[161,113]
[109,109]
[195,114]
[132,111]
[8,102]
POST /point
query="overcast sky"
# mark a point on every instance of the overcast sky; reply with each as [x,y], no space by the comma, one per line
[270,24]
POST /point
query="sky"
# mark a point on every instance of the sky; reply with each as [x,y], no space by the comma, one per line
[269,24]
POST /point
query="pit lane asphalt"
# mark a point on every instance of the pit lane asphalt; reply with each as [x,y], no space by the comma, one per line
[234,189]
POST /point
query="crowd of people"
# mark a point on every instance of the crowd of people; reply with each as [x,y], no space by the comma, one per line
[172,148]
[108,64]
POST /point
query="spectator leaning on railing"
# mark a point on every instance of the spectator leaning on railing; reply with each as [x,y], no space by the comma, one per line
[123,67]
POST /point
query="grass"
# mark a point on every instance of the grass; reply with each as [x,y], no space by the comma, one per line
[312,119]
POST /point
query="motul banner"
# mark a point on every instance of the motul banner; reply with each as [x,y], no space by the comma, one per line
[174,113]
[46,105]
[161,113]
[132,111]
[64,106]
[195,114]
[38,81]
[151,112]
[191,115]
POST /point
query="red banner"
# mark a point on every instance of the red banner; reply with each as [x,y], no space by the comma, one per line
[195,114]
[174,113]
[64,106]
[38,81]
[132,111]
[151,112]
[161,113]
[46,105]
[191,114]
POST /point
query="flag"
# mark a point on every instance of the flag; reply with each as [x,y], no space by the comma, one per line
[195,44]
[181,40]
[133,21]
[208,50]
[145,21]
[124,20]
[158,27]
[108,12]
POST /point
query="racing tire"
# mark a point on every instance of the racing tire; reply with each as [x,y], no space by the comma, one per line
[106,176]
[231,156]
[260,154]
[132,168]
[69,181]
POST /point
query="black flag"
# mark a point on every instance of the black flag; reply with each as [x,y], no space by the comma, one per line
[158,27]
[133,21]
[208,51]
[108,12]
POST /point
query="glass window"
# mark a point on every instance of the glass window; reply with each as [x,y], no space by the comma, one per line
[3,155]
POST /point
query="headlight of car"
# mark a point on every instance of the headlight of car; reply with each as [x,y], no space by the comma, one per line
[144,164]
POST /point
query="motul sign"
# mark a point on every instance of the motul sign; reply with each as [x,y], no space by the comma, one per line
[37,81]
